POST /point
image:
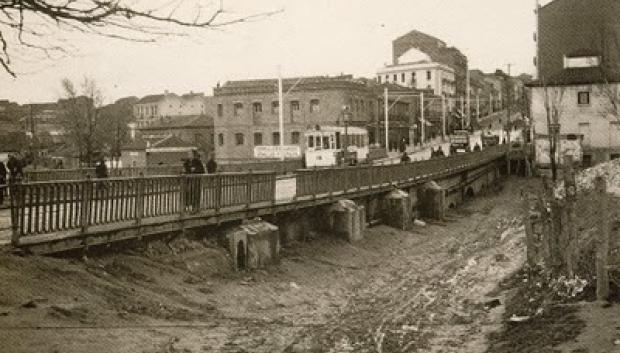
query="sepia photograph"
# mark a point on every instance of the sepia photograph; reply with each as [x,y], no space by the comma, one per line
[309,176]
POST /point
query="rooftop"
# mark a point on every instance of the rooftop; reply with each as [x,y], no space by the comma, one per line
[180,122]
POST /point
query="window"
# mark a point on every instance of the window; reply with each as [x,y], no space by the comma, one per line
[429,75]
[275,107]
[220,110]
[220,139]
[275,138]
[257,107]
[310,141]
[582,62]
[238,109]
[387,78]
[402,77]
[239,139]
[413,76]
[258,139]
[379,79]
[583,98]
[314,106]
[295,138]
[294,106]
[395,78]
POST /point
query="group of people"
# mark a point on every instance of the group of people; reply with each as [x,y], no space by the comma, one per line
[195,165]
[12,170]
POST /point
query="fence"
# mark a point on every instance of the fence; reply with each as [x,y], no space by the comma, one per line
[56,206]
[572,235]
[46,207]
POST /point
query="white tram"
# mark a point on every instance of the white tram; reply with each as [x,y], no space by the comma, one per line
[325,146]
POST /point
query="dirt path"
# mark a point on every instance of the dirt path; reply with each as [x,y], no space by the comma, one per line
[417,291]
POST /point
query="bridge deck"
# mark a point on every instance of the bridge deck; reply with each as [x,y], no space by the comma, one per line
[56,216]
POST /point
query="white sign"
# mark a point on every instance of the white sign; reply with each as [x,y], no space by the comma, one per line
[289,151]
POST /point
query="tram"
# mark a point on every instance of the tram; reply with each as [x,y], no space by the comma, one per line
[327,146]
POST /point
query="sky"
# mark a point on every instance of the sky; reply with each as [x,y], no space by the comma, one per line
[308,37]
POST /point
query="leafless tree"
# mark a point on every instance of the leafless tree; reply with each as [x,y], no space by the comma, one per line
[81,119]
[553,97]
[43,28]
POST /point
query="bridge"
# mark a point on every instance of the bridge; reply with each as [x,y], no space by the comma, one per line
[55,216]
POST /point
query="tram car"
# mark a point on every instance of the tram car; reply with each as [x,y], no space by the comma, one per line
[328,146]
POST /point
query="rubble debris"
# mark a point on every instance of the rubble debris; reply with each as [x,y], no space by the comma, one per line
[492,304]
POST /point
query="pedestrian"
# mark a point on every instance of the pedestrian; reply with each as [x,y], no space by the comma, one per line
[196,164]
[2,181]
[405,158]
[195,182]
[101,172]
[211,164]
[187,166]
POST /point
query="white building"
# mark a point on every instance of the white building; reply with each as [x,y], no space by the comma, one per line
[415,69]
[585,101]
[154,107]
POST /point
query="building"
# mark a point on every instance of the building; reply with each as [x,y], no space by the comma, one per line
[152,107]
[578,83]
[196,130]
[420,72]
[246,113]
[419,47]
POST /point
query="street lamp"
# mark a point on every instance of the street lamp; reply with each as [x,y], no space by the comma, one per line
[346,113]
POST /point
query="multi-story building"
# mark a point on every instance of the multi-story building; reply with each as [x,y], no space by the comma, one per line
[578,83]
[246,113]
[422,74]
[416,49]
[150,108]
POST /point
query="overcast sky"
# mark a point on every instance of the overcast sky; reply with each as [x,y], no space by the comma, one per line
[310,37]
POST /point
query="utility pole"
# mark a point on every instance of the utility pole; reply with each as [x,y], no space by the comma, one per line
[508,127]
[386,108]
[462,113]
[422,121]
[478,108]
[280,108]
[32,139]
[468,95]
[443,118]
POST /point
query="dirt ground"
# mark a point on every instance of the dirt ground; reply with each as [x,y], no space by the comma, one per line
[422,290]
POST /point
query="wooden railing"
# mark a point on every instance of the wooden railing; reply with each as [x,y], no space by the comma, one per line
[58,206]
[49,207]
[315,182]
[83,173]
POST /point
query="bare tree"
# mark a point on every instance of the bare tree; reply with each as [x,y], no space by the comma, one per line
[29,27]
[553,97]
[81,119]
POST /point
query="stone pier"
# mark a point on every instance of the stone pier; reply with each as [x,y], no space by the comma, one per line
[346,219]
[397,210]
[253,245]
[432,201]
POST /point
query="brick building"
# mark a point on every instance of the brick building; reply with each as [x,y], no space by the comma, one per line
[246,112]
[437,51]
[579,78]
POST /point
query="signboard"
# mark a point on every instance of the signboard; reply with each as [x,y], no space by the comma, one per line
[276,152]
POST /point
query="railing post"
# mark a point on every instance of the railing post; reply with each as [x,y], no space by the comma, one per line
[87,191]
[182,196]
[248,189]
[218,192]
[15,190]
[140,200]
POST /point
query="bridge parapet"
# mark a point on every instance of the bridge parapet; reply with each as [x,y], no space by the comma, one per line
[58,208]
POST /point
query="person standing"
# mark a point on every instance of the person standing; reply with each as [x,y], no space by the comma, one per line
[195,182]
[211,164]
[2,181]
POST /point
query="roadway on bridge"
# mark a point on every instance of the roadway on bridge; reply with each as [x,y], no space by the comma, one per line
[5,227]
